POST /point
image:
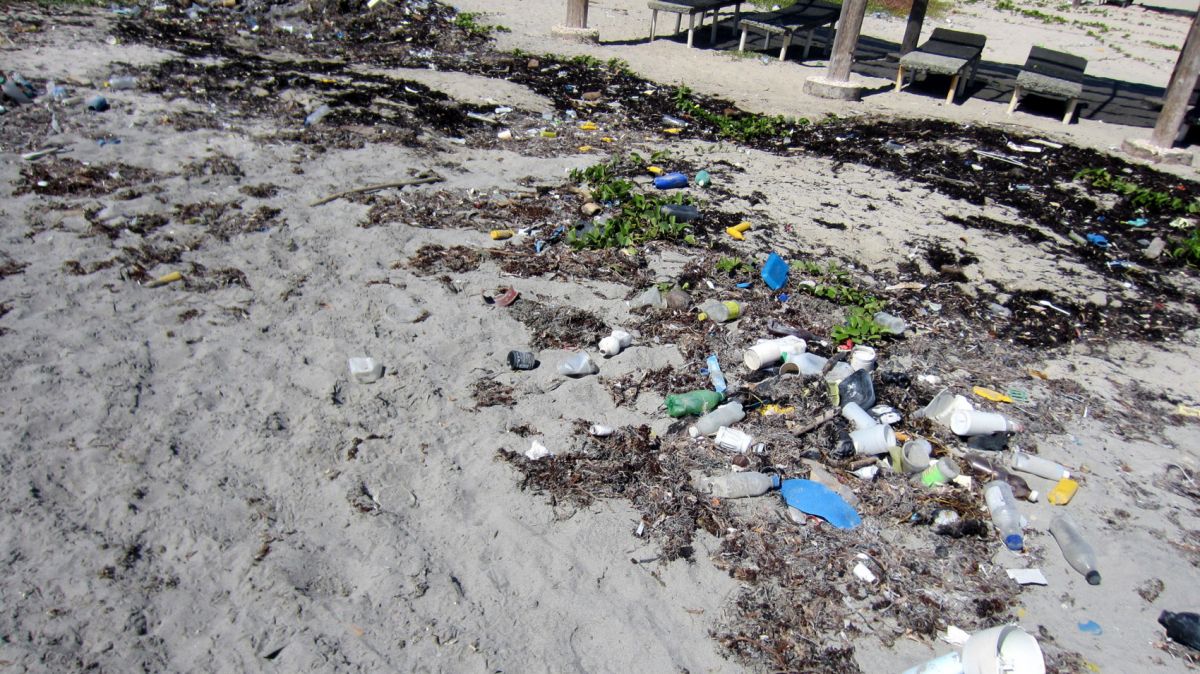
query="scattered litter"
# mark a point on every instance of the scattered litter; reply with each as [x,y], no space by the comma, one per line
[536,451]
[1027,576]
[1091,627]
[365,370]
[816,499]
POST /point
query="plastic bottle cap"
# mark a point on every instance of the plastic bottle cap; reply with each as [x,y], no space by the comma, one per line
[1014,542]
[1093,577]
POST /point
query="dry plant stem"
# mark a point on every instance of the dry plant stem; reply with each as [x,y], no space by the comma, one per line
[826,417]
[429,177]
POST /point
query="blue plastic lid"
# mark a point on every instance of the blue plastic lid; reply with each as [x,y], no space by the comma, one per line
[1014,541]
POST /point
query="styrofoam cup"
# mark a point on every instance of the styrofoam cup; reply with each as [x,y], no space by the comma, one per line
[858,416]
[808,364]
[732,440]
[768,352]
[862,358]
[1003,649]
[943,406]
[875,439]
[975,422]
[915,456]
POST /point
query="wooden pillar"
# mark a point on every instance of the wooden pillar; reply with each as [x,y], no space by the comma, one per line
[848,27]
[1183,81]
[912,32]
[577,11]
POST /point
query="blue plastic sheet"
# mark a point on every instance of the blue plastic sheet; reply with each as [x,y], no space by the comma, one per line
[814,498]
[775,272]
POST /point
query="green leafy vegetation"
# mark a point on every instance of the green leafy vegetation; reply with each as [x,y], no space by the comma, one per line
[834,284]
[1138,196]
[1188,249]
[469,21]
[733,266]
[638,217]
[860,327]
[744,128]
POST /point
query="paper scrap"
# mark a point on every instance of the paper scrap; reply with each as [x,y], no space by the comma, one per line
[1027,576]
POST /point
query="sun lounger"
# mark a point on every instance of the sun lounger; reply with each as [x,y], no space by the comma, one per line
[1052,74]
[692,8]
[805,16]
[946,52]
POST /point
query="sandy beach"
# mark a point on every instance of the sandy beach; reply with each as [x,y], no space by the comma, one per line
[195,481]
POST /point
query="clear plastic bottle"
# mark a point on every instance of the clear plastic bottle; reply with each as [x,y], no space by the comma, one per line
[1036,465]
[681,212]
[693,402]
[720,312]
[1003,506]
[725,415]
[1079,554]
[578,365]
[740,485]
[993,469]
[119,82]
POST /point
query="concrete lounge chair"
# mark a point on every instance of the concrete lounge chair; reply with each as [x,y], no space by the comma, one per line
[946,52]
[692,8]
[1052,74]
[805,16]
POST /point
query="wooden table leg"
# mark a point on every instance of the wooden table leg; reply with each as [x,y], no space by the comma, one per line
[953,87]
[691,27]
[1070,110]
[653,22]
[899,78]
[787,42]
[1016,100]
[742,44]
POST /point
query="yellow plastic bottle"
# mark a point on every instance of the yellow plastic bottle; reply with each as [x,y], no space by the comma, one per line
[1063,492]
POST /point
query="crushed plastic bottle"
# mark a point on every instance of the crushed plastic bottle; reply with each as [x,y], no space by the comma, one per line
[725,415]
[693,403]
[1075,548]
[740,485]
[681,212]
[1020,488]
[121,82]
[720,312]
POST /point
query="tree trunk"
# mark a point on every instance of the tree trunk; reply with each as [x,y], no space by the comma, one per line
[1179,91]
[912,32]
[848,27]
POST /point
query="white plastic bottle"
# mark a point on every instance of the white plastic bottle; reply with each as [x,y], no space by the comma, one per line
[1003,507]
[1036,465]
[1078,552]
[725,415]
[740,485]
[615,343]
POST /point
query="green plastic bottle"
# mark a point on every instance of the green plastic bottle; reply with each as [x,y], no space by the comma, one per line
[693,402]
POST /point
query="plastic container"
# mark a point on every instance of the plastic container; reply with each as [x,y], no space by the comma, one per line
[940,472]
[703,179]
[1020,488]
[770,351]
[1183,628]
[522,360]
[97,103]
[834,378]
[739,485]
[807,364]
[1003,506]
[577,365]
[725,415]
[1079,554]
[365,370]
[671,181]
[892,324]
[857,416]
[681,212]
[1003,650]
[977,422]
[1036,465]
[317,115]
[693,403]
[721,312]
[733,440]
[615,343]
[862,358]
[1063,492]
[120,82]
[876,439]
[651,297]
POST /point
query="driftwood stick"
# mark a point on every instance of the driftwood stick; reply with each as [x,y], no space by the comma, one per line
[429,177]
[825,418]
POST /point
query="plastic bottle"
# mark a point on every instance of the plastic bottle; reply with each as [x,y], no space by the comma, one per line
[317,115]
[1063,492]
[1005,516]
[1182,627]
[681,212]
[1020,488]
[725,415]
[1036,465]
[671,181]
[715,376]
[578,365]
[1079,554]
[693,402]
[720,312]
[703,179]
[120,82]
[614,343]
[740,485]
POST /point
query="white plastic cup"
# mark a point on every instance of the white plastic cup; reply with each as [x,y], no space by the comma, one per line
[614,343]
[834,378]
[940,472]
[875,439]
[856,415]
[365,370]
[807,364]
[914,458]
[733,440]
[769,352]
[1003,649]
[862,358]
[975,422]
[943,406]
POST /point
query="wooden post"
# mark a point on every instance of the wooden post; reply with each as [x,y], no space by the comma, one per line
[912,32]
[577,11]
[1183,81]
[848,27]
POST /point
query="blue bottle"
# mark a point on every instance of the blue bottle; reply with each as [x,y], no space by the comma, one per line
[671,181]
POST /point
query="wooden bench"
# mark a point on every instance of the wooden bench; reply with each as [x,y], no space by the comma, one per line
[805,16]
[1052,74]
[946,52]
[692,8]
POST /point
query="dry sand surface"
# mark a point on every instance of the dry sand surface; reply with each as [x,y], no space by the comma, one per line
[192,480]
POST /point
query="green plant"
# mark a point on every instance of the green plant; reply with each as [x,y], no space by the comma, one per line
[860,327]
[746,127]
[834,284]
[733,266]
[1138,196]
[468,21]
[638,217]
